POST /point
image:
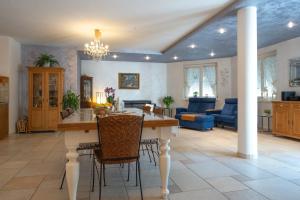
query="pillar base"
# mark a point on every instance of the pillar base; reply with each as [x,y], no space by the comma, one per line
[247,156]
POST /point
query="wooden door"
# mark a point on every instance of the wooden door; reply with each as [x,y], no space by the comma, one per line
[52,99]
[295,119]
[36,99]
[281,118]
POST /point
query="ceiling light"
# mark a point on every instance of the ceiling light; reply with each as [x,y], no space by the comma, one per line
[115,56]
[222,30]
[147,57]
[291,24]
[193,46]
[212,54]
[96,49]
[175,58]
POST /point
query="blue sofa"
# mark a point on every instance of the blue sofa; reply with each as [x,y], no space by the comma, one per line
[228,115]
[197,107]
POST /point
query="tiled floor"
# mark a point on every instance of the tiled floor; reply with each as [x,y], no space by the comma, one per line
[204,166]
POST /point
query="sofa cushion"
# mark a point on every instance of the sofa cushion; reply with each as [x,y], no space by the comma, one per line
[229,109]
[193,107]
[188,117]
[224,118]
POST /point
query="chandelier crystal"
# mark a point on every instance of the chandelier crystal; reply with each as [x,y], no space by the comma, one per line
[96,49]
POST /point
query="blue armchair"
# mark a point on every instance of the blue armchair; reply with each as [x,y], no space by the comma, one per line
[197,107]
[228,115]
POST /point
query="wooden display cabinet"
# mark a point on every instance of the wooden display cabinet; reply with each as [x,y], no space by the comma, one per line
[286,118]
[86,91]
[4,104]
[45,97]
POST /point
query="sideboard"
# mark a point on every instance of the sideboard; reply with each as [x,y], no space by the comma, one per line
[286,118]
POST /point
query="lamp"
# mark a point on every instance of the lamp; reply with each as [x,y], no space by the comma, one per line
[96,49]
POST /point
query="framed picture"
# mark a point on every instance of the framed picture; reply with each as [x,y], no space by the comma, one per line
[129,81]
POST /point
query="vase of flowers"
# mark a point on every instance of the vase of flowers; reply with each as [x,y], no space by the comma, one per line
[110,95]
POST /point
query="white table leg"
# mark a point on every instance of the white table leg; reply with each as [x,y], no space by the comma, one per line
[165,163]
[72,172]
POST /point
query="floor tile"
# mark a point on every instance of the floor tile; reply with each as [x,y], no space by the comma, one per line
[211,169]
[276,188]
[187,180]
[207,194]
[244,195]
[25,182]
[16,194]
[226,184]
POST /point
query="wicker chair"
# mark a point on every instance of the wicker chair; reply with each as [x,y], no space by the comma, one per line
[119,139]
[158,111]
[82,146]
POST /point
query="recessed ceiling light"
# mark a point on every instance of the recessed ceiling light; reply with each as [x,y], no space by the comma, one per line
[212,54]
[291,24]
[115,56]
[222,30]
[193,46]
[175,58]
[147,57]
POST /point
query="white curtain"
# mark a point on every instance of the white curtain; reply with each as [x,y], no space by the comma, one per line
[259,74]
[270,74]
[192,80]
[209,80]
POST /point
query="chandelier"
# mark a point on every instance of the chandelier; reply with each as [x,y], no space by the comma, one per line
[96,49]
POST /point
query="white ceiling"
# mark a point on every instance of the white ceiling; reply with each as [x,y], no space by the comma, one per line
[126,25]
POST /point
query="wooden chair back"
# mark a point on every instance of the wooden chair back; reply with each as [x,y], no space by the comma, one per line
[119,137]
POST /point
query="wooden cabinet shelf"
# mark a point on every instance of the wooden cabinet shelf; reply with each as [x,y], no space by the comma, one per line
[4,104]
[286,118]
[45,97]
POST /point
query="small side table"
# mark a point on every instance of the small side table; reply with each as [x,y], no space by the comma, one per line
[169,111]
[262,121]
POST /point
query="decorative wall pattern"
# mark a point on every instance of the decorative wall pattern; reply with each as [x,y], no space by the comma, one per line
[66,56]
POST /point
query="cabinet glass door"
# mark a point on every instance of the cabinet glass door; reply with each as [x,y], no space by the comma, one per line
[37,97]
[53,90]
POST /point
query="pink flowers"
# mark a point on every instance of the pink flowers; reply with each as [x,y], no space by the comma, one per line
[110,94]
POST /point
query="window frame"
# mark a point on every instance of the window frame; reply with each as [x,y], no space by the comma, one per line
[201,67]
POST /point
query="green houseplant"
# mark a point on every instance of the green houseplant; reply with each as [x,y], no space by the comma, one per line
[46,60]
[168,100]
[71,100]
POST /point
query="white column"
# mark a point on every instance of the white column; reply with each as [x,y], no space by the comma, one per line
[247,82]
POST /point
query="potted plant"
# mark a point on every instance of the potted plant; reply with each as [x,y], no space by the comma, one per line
[46,60]
[168,100]
[195,94]
[267,111]
[71,100]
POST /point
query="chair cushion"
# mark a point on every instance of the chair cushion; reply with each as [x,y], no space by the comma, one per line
[188,117]
[229,109]
[225,118]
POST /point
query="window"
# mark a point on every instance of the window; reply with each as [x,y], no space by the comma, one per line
[267,76]
[200,80]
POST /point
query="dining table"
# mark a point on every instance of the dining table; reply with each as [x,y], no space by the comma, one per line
[81,127]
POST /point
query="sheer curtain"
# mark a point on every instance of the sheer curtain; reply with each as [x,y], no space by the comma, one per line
[209,80]
[267,77]
[192,80]
[270,76]
[259,75]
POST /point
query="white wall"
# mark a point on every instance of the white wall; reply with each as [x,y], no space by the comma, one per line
[10,60]
[175,80]
[153,84]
